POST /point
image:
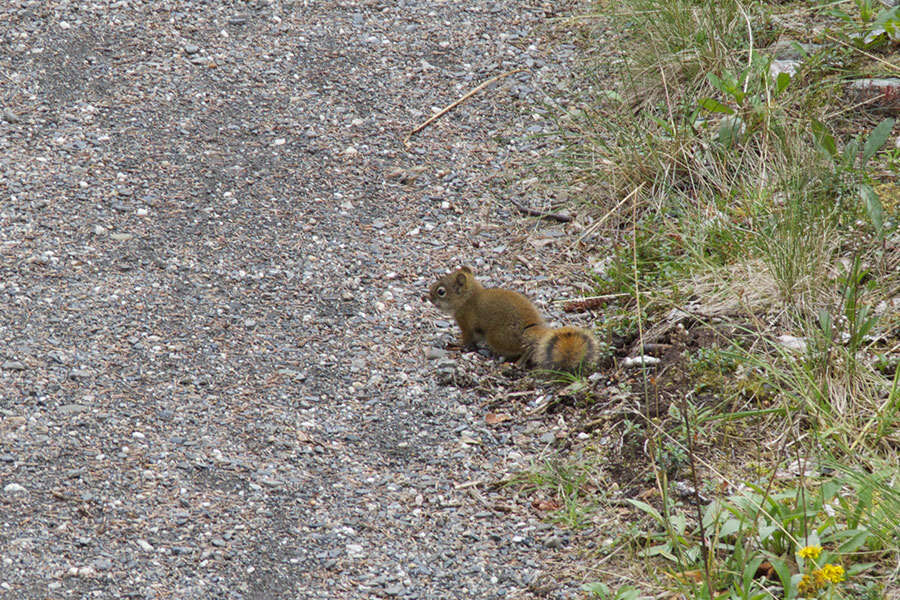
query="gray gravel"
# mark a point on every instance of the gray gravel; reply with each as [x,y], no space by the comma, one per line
[217,376]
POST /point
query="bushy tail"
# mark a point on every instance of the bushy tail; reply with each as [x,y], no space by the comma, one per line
[565,349]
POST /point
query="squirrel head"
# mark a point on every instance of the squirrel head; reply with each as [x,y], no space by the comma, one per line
[452,290]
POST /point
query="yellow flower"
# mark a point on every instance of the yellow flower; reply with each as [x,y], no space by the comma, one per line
[833,573]
[812,552]
[807,587]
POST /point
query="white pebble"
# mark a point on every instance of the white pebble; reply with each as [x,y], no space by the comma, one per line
[86,571]
[792,343]
[640,360]
[13,488]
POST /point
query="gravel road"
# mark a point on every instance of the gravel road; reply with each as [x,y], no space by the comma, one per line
[217,375]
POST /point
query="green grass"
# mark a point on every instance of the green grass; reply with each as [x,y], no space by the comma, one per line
[763,203]
[563,488]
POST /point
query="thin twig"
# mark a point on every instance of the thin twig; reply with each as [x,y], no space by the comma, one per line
[872,56]
[853,107]
[750,57]
[453,105]
[540,214]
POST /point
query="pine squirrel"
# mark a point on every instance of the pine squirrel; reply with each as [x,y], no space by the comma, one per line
[510,324]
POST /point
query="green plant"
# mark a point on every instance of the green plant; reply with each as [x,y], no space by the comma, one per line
[892,159]
[751,101]
[849,166]
[600,590]
[858,318]
[868,28]
[798,523]
[572,483]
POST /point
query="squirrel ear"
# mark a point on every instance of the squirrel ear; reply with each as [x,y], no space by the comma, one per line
[461,280]
[467,270]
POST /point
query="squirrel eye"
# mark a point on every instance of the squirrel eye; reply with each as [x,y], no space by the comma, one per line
[441,291]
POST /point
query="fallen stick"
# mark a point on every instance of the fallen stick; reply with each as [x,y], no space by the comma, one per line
[540,214]
[453,105]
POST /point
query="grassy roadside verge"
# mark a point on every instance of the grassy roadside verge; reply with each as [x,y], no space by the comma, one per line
[759,236]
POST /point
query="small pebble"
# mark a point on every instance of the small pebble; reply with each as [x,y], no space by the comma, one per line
[13,488]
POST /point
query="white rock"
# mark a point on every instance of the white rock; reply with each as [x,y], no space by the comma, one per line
[86,571]
[792,343]
[640,360]
[145,545]
[13,488]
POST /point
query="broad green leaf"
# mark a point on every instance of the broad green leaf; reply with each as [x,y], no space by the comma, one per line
[784,574]
[766,531]
[647,509]
[781,82]
[876,139]
[830,488]
[597,588]
[627,593]
[824,140]
[679,523]
[716,82]
[858,568]
[859,538]
[664,550]
[712,513]
[750,572]
[730,130]
[715,106]
[850,152]
[826,324]
[873,207]
[729,527]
